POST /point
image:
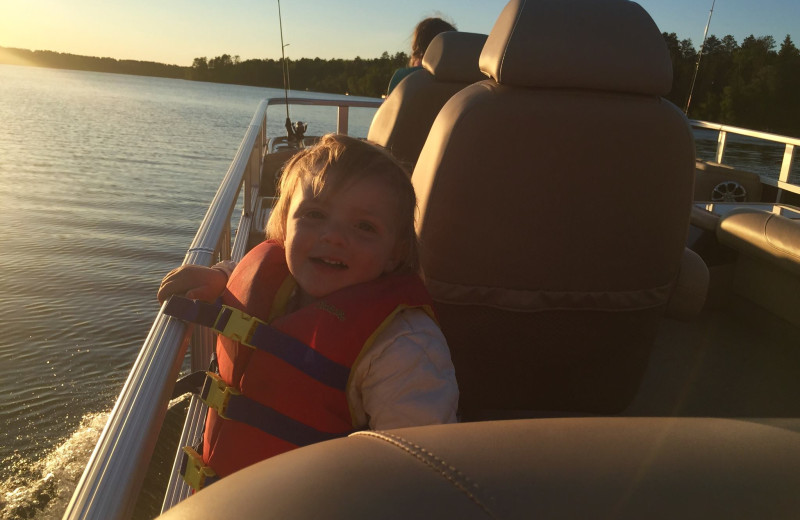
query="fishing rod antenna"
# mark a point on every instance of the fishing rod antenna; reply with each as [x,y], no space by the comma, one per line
[294,133]
[699,55]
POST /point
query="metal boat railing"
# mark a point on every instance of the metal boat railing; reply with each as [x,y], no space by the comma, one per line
[116,469]
[782,182]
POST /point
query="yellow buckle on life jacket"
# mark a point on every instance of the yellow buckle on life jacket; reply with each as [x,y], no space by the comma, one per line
[240,326]
[195,473]
[218,395]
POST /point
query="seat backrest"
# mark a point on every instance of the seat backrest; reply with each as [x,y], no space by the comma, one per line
[450,63]
[554,207]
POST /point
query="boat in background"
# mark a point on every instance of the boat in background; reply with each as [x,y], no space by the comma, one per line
[712,430]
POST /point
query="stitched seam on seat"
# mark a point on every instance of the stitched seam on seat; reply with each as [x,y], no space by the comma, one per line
[523,300]
[469,487]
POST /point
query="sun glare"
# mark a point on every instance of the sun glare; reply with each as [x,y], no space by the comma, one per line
[11,57]
[36,25]
[18,30]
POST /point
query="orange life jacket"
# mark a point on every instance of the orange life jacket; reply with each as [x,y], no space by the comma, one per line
[296,388]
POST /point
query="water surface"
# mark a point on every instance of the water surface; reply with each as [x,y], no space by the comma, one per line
[104,179]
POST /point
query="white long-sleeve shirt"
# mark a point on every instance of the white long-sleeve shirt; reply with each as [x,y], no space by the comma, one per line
[405,378]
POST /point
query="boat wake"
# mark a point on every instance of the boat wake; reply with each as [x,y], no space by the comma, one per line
[41,489]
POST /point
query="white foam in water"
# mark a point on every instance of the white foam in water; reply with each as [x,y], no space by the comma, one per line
[44,490]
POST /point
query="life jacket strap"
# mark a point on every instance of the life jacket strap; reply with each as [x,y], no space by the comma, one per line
[257,334]
[217,394]
[222,319]
[194,472]
[193,311]
[231,404]
[237,325]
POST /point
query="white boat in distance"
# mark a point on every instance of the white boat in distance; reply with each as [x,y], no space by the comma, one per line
[623,318]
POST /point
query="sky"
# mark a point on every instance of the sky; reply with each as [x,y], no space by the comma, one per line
[177,31]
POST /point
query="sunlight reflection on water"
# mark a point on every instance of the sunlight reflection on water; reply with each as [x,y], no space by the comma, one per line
[104,179]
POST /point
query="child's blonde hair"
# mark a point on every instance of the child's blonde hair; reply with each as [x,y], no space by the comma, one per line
[337,161]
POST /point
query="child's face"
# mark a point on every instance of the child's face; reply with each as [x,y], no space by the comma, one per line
[341,240]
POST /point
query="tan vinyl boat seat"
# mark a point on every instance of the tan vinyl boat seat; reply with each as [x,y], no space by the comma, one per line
[767,270]
[554,208]
[767,236]
[575,468]
[402,123]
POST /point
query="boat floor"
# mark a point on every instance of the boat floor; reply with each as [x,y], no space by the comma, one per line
[740,361]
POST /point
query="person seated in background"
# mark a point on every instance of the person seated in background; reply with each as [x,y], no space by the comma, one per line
[339,272]
[423,34]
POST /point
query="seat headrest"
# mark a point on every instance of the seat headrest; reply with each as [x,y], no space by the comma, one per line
[610,45]
[453,56]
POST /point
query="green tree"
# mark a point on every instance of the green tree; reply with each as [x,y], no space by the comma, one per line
[199,70]
[787,92]
[750,98]
[712,76]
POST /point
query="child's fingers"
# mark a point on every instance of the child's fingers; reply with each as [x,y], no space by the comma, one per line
[196,282]
[177,281]
[167,289]
[200,293]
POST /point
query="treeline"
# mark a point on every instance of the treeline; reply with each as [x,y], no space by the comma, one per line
[358,77]
[753,85]
[59,60]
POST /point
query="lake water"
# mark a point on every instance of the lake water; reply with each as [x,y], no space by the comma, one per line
[104,179]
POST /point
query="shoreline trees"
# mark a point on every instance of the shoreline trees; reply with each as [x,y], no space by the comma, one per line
[751,85]
[754,84]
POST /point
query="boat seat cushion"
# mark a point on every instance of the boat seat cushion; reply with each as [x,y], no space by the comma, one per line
[763,235]
[689,295]
[554,219]
[574,468]
[272,170]
[610,45]
[453,56]
[402,123]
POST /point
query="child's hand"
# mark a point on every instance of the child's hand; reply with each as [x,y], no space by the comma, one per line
[196,281]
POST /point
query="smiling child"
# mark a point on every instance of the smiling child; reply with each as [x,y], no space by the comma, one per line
[338,275]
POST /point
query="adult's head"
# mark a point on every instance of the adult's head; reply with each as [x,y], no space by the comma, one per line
[423,34]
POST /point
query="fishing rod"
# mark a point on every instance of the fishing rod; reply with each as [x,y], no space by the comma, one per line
[285,71]
[699,55]
[294,132]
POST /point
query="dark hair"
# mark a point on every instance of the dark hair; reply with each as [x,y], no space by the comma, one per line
[335,162]
[424,33]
